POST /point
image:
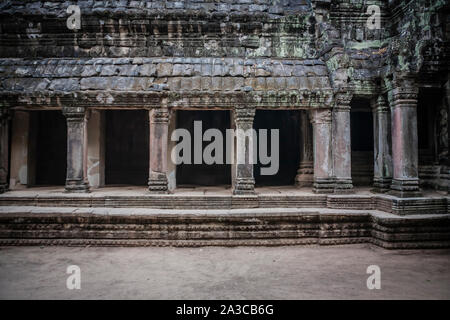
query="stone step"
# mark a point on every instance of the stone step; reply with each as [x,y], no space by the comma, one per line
[30,225]
[386,203]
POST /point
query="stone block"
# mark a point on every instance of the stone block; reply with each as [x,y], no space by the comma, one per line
[216,83]
[206,69]
[147,70]
[217,70]
[64,85]
[238,83]
[196,83]
[94,83]
[206,83]
[164,69]
[186,84]
[174,83]
[227,83]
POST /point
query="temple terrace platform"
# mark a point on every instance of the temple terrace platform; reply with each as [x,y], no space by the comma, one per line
[200,198]
[202,216]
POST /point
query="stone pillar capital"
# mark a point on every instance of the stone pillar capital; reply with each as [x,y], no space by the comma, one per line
[342,108]
[159,115]
[404,91]
[74,112]
[379,104]
[244,115]
[342,101]
[321,116]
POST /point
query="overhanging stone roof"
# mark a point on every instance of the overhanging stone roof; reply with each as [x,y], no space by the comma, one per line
[304,83]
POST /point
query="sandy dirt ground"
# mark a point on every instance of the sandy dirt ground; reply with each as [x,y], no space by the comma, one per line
[298,272]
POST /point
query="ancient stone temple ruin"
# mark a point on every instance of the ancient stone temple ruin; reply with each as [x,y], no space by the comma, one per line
[359,90]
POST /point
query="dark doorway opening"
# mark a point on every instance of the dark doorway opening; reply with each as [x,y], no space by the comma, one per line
[288,124]
[361,128]
[204,174]
[50,132]
[126,147]
[428,118]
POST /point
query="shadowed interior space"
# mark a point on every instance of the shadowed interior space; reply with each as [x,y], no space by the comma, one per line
[48,147]
[362,144]
[204,174]
[288,124]
[428,126]
[127,147]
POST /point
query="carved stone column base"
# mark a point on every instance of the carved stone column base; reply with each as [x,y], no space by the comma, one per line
[305,176]
[324,185]
[244,186]
[381,185]
[159,185]
[343,186]
[77,186]
[405,188]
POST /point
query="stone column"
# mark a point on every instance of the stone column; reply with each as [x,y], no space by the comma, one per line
[305,173]
[244,182]
[323,162]
[171,166]
[382,169]
[342,151]
[4,148]
[96,149]
[76,179]
[159,130]
[405,156]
